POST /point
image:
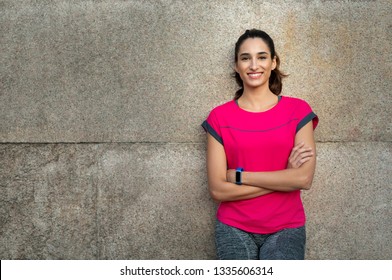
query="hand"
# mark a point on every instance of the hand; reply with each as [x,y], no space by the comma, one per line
[299,155]
[230,175]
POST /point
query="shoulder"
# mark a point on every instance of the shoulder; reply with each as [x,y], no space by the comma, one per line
[301,111]
[290,100]
[224,108]
[295,103]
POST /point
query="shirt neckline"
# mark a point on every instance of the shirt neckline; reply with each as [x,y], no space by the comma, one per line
[270,109]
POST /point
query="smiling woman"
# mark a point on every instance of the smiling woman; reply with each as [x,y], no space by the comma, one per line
[260,155]
[255,63]
[276,76]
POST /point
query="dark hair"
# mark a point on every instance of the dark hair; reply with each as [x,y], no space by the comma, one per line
[275,80]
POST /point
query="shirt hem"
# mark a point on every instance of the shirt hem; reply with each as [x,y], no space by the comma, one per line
[266,230]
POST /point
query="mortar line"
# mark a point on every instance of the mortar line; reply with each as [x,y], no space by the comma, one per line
[155,142]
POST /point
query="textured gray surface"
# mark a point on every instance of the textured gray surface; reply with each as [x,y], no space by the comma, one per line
[150,201]
[105,201]
[104,71]
[102,153]
[350,204]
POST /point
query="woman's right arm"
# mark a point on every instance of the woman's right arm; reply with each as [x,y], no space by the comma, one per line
[219,188]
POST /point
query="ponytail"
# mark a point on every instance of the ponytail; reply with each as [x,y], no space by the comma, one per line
[275,80]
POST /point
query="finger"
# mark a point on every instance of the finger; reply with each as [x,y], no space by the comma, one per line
[294,151]
[304,152]
[302,161]
[298,146]
[304,158]
[301,152]
[299,156]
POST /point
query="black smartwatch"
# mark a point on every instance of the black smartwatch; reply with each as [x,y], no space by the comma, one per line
[238,173]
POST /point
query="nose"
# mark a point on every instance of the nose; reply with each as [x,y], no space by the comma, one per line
[253,64]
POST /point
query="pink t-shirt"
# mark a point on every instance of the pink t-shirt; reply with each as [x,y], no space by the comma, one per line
[261,142]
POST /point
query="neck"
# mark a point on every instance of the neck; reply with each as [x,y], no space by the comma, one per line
[257,99]
[258,94]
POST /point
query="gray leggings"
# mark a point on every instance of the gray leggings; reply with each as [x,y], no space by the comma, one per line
[235,244]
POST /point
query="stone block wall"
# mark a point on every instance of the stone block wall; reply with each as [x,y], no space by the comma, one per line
[102,155]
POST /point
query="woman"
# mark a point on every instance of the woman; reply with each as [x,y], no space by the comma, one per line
[260,155]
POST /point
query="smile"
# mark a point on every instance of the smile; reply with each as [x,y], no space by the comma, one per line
[254,75]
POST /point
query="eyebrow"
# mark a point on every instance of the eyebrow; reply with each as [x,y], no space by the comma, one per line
[259,53]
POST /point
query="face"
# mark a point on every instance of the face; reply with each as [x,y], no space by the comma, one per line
[255,63]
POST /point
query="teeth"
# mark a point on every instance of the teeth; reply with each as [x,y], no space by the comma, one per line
[255,75]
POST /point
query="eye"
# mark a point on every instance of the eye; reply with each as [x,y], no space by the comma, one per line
[262,57]
[244,58]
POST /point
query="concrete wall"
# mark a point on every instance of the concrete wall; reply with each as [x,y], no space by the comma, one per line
[101,151]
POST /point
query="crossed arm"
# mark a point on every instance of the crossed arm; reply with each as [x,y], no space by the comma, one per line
[298,175]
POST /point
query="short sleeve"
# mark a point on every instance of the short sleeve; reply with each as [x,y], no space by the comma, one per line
[211,125]
[305,114]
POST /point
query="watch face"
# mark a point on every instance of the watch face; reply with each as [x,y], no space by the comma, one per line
[238,177]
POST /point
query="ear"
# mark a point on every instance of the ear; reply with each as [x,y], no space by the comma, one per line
[235,67]
[274,63]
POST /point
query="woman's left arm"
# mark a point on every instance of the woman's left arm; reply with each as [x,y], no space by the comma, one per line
[288,179]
